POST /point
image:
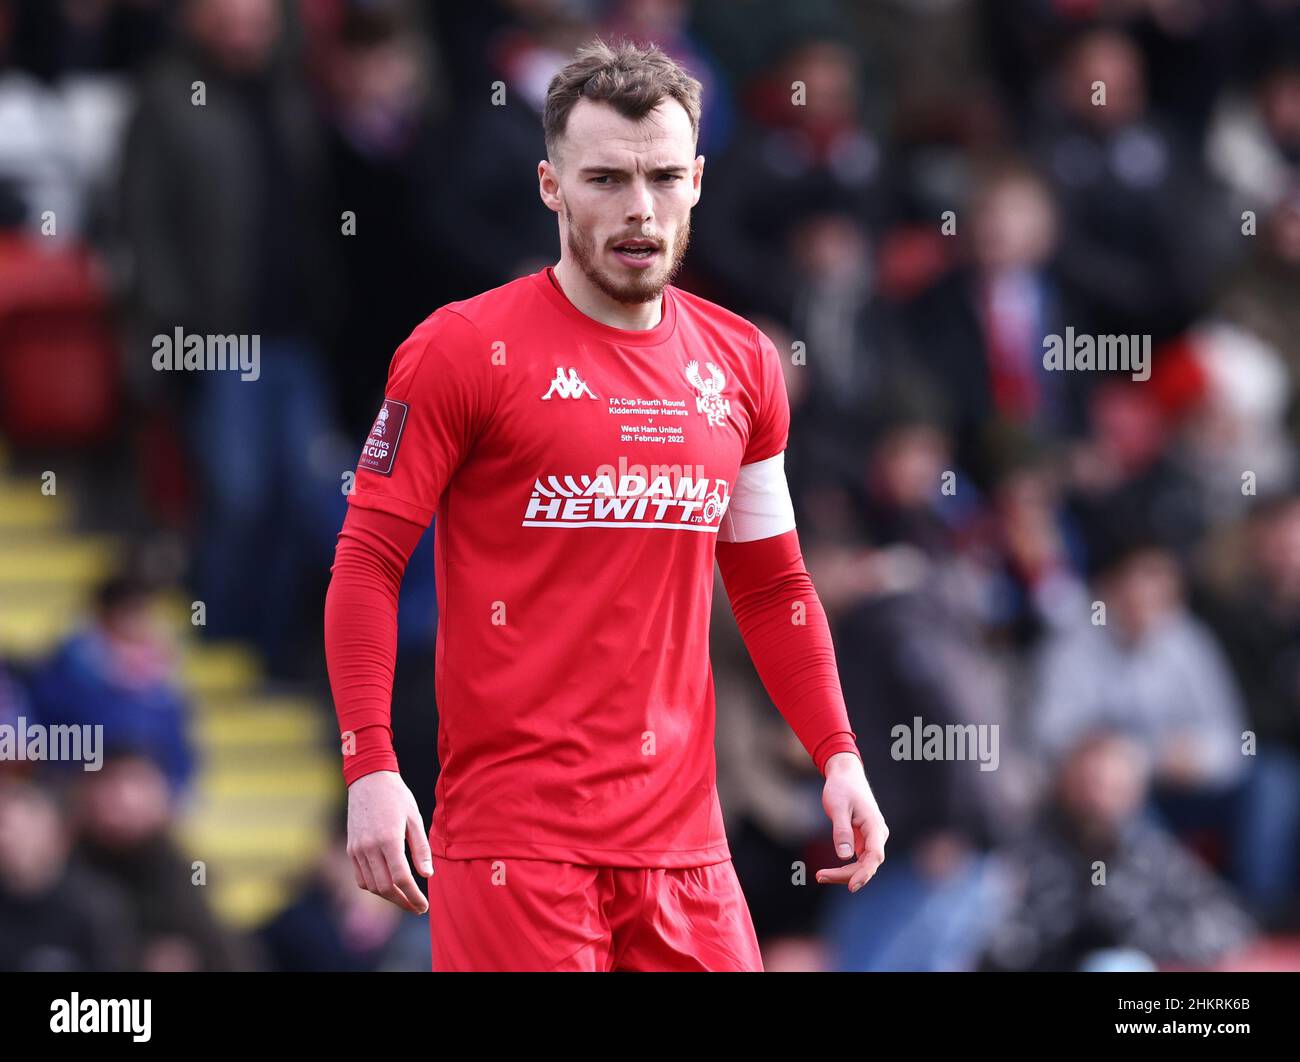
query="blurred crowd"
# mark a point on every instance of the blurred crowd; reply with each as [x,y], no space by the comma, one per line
[1101,570]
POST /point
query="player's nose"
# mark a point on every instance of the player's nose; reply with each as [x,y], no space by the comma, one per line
[640,207]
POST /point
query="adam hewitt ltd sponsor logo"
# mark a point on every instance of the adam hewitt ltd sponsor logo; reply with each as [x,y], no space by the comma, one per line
[64,743]
[208,353]
[665,496]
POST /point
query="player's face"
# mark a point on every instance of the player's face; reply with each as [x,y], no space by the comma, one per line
[624,191]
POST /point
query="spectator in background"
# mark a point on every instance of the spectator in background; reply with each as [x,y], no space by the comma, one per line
[979,332]
[1149,668]
[1253,144]
[1237,422]
[1125,478]
[666,24]
[1189,46]
[801,156]
[386,150]
[40,169]
[1033,553]
[230,230]
[55,914]
[1097,885]
[123,821]
[1128,188]
[120,671]
[331,925]
[1258,621]
[495,228]
[848,331]
[910,647]
[909,655]
[63,103]
[898,496]
[1261,296]
[387,153]
[882,525]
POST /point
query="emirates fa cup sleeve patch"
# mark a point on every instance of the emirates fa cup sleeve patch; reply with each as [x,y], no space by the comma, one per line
[381,445]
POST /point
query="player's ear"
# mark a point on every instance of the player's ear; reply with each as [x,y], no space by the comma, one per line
[548,184]
[698,179]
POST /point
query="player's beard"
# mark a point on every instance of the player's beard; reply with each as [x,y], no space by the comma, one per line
[639,286]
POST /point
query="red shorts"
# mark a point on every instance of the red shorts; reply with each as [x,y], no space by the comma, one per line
[533,914]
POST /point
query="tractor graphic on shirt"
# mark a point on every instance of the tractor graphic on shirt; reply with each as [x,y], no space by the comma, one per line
[716,502]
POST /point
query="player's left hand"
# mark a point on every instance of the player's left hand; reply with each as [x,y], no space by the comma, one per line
[857,827]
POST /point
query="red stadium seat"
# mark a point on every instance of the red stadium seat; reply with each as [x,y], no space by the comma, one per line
[58,355]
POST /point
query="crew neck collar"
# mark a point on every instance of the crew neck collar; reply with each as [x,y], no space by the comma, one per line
[549,286]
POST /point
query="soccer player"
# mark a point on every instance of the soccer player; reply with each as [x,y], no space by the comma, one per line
[590,439]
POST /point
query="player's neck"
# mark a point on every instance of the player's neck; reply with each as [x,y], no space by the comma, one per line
[590,300]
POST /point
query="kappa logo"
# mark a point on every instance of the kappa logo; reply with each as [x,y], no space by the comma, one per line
[572,386]
[709,401]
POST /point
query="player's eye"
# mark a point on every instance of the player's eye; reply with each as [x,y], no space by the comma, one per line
[670,176]
[603,178]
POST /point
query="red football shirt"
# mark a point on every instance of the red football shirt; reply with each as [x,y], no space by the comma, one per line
[580,474]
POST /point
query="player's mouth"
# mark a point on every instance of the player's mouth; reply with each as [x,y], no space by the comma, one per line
[639,254]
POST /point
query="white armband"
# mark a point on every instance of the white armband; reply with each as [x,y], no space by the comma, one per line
[760,506]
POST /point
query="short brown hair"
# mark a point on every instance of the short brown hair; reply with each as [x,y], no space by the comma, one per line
[631,78]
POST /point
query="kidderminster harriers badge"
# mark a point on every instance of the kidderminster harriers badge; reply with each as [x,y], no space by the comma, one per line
[709,401]
[381,445]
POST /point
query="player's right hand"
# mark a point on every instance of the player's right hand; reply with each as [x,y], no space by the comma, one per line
[383,818]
